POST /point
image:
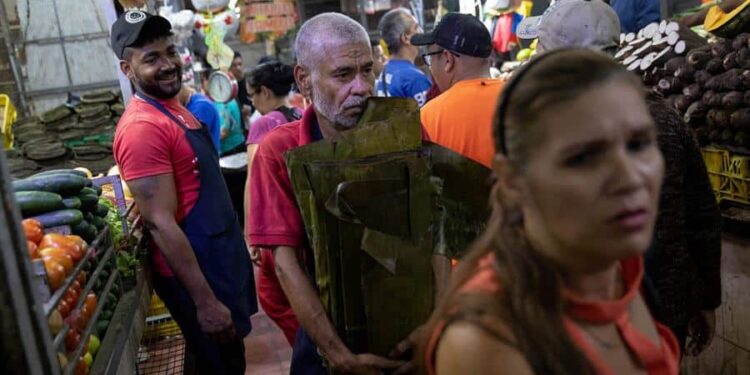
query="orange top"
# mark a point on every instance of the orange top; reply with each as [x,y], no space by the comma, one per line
[461,118]
[658,358]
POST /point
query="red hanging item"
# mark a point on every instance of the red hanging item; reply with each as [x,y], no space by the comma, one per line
[503,39]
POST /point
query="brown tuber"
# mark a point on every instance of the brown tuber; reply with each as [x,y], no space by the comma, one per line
[675,63]
[681,103]
[741,139]
[715,66]
[721,48]
[714,135]
[743,58]
[685,73]
[740,41]
[701,77]
[693,92]
[732,100]
[727,137]
[730,61]
[740,119]
[669,85]
[695,115]
[701,135]
[698,59]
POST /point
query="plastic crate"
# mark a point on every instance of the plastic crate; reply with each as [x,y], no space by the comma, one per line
[157,306]
[8,113]
[729,174]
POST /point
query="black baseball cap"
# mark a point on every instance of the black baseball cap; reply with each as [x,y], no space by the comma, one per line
[458,32]
[132,25]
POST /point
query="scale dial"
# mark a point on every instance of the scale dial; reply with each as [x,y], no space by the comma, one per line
[222,87]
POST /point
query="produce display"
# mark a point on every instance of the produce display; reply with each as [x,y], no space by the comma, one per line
[81,270]
[707,83]
[78,133]
[63,197]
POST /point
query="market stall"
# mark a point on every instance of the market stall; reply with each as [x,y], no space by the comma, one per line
[82,248]
[707,80]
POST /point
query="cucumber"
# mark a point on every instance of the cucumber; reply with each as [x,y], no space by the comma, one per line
[98,190]
[88,202]
[88,216]
[72,202]
[63,184]
[89,191]
[101,211]
[38,202]
[61,217]
[101,328]
[99,223]
[62,171]
[80,228]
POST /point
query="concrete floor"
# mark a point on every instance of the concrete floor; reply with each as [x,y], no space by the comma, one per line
[729,353]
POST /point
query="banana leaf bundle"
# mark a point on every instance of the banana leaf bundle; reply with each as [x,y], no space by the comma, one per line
[377,205]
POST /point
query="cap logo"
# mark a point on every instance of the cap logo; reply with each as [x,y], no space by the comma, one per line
[135,16]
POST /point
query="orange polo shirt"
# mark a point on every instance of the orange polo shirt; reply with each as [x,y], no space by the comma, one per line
[461,118]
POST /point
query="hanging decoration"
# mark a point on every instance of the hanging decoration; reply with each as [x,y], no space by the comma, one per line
[215,20]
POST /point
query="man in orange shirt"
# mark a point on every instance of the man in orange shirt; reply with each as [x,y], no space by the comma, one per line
[461,117]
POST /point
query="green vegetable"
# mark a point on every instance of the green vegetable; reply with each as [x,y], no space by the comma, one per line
[126,264]
[63,184]
[38,202]
[101,210]
[72,202]
[60,217]
[89,202]
[62,171]
[101,327]
[99,223]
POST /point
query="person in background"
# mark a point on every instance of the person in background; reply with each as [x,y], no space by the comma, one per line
[244,104]
[200,264]
[458,52]
[400,77]
[204,110]
[231,135]
[334,70]
[635,14]
[378,57]
[553,285]
[684,261]
[269,86]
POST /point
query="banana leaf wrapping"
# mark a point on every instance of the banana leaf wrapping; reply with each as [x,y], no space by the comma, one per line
[377,204]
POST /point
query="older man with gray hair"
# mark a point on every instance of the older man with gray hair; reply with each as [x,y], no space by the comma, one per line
[334,70]
[400,77]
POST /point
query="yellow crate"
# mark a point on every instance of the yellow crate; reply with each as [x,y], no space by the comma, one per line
[729,174]
[157,306]
[8,113]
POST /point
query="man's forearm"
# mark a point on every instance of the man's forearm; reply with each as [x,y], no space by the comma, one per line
[306,304]
[172,241]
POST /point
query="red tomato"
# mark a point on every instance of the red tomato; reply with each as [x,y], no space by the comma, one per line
[81,368]
[33,250]
[70,298]
[64,308]
[72,339]
[81,278]
[33,230]
[91,302]
[76,286]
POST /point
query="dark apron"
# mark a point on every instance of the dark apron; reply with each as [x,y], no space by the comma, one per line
[214,233]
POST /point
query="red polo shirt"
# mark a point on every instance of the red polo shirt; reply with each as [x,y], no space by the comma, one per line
[147,143]
[274,218]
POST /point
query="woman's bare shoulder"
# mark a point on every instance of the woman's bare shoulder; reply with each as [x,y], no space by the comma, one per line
[468,348]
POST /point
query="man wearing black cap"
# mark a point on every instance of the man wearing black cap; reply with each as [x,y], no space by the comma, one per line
[458,56]
[202,269]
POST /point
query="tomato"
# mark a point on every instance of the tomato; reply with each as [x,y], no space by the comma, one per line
[32,249]
[81,278]
[91,302]
[63,259]
[81,368]
[72,339]
[64,308]
[33,230]
[71,299]
[60,241]
[76,286]
[55,273]
[83,318]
